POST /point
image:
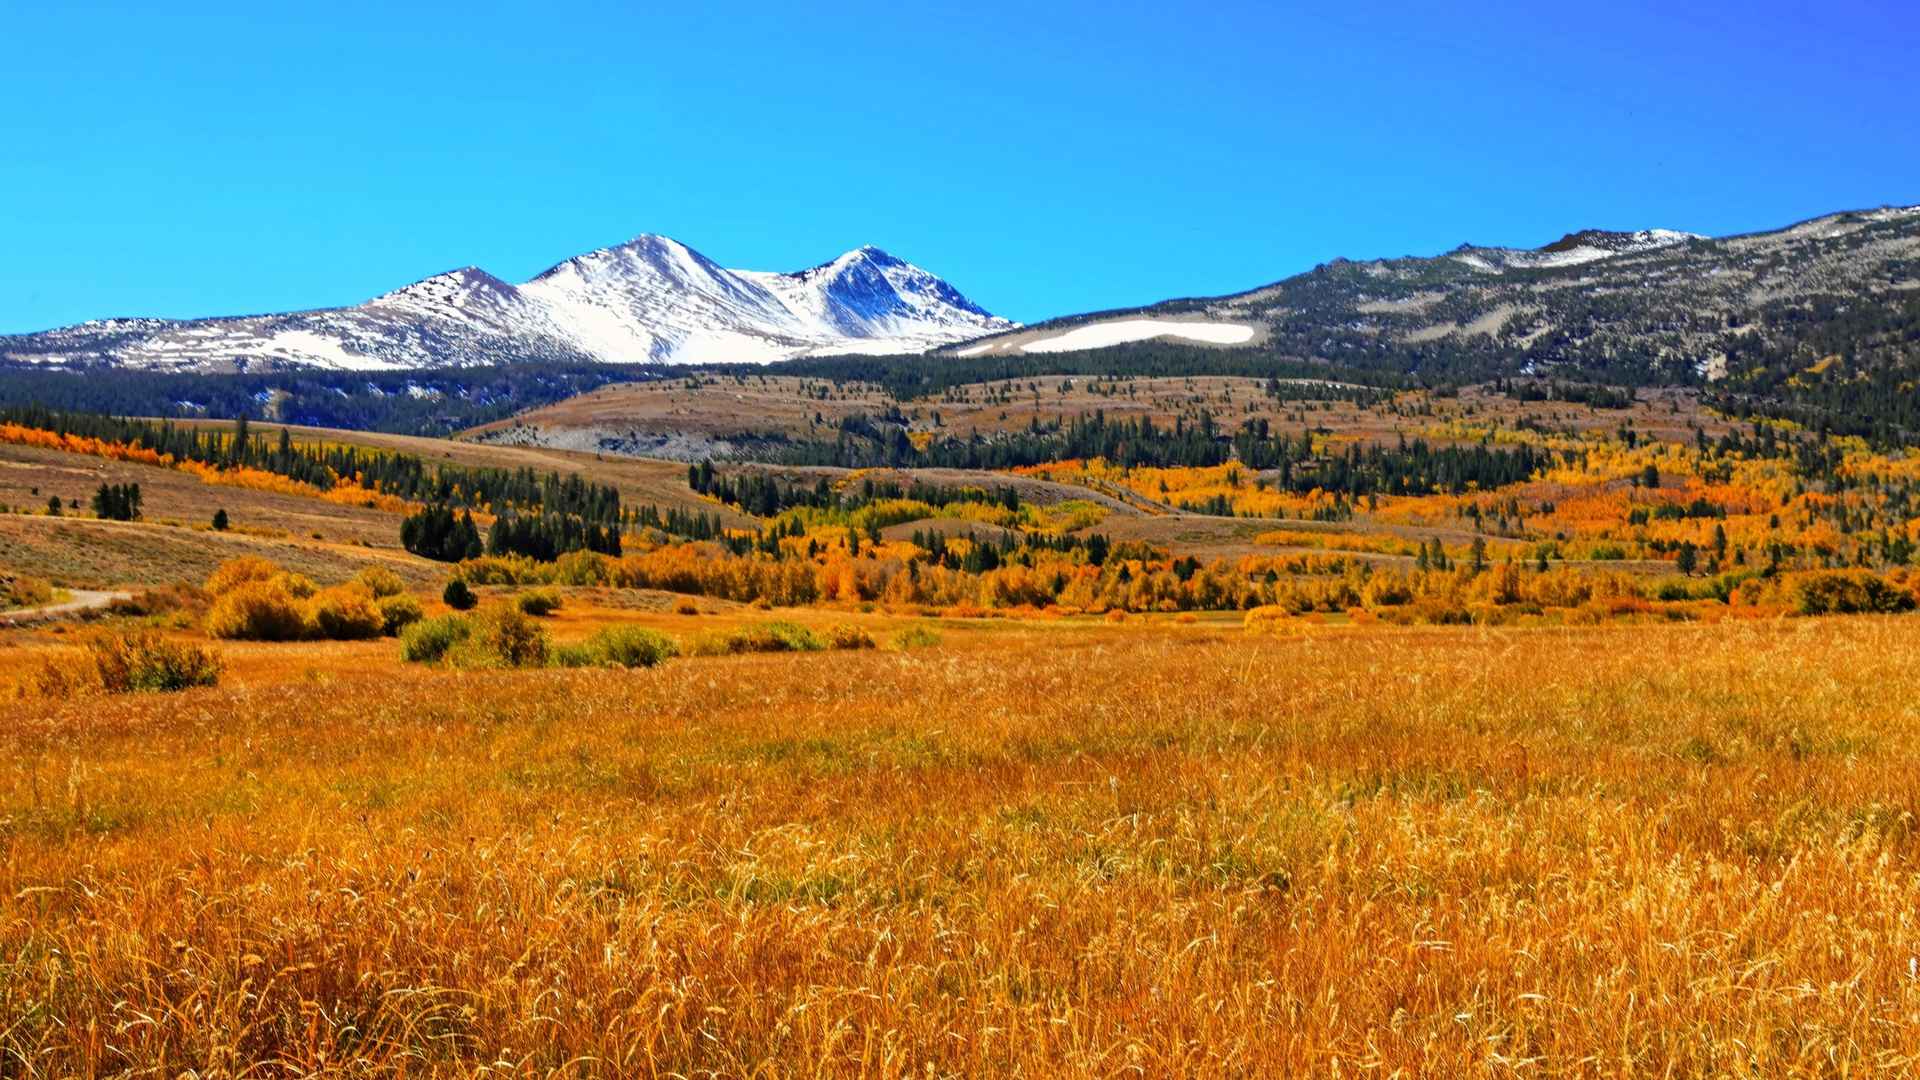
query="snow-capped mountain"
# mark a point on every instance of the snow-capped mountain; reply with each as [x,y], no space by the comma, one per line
[650,300]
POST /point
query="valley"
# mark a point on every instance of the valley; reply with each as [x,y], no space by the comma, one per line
[1175,707]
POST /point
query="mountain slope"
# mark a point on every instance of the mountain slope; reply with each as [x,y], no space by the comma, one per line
[650,300]
[1650,306]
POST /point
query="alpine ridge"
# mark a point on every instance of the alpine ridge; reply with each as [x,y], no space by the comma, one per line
[649,300]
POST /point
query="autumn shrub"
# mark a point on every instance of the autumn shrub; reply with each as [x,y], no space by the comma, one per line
[758,637]
[236,572]
[429,640]
[23,591]
[847,636]
[255,609]
[345,613]
[618,646]
[381,582]
[458,596]
[1265,619]
[397,612]
[183,604]
[538,602]
[1846,592]
[501,637]
[298,586]
[916,637]
[129,662]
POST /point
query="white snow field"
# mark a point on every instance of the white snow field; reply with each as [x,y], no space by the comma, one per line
[1100,335]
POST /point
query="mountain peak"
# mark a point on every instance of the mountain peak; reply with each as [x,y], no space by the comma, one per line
[649,299]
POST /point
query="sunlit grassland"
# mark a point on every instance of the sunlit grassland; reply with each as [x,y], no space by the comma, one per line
[1043,849]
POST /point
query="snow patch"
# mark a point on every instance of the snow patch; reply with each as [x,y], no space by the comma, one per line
[1101,335]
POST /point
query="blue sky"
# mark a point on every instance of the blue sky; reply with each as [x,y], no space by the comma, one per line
[1046,158]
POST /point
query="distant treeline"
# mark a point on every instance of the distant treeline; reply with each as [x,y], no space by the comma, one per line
[427,402]
[764,495]
[1417,468]
[1599,397]
[909,376]
[323,465]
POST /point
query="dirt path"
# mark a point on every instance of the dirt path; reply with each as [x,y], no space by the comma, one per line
[81,600]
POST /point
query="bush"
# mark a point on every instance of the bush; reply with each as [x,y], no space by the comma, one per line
[916,637]
[381,582]
[236,572]
[1266,619]
[397,613]
[346,613]
[684,606]
[1847,592]
[129,662]
[845,636]
[506,570]
[23,591]
[583,568]
[537,602]
[501,637]
[255,610]
[458,596]
[619,646]
[298,586]
[759,637]
[429,640]
[183,603]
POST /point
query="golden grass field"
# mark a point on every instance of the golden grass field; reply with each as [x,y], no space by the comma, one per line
[1072,848]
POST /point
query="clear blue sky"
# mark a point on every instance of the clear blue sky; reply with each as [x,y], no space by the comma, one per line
[220,158]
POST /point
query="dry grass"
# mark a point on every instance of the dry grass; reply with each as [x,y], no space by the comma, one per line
[786,407]
[1063,848]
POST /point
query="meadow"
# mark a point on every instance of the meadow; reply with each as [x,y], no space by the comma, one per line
[1086,849]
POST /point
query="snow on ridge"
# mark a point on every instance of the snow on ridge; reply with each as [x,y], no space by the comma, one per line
[1592,246]
[1100,335]
[649,300]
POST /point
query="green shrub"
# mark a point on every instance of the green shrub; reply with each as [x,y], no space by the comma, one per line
[458,596]
[429,640]
[501,637]
[397,612]
[574,655]
[630,647]
[381,582]
[346,613]
[759,637]
[916,637]
[537,602]
[582,568]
